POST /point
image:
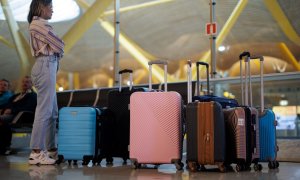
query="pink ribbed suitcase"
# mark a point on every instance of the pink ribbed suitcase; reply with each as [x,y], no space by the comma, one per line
[155,126]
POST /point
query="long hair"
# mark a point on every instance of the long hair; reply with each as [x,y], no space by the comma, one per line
[36,9]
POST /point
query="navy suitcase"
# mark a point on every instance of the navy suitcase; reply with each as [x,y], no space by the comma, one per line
[225,102]
[115,126]
[78,134]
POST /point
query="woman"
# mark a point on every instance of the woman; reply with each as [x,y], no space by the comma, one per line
[47,49]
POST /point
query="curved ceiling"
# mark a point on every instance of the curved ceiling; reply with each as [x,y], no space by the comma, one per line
[173,30]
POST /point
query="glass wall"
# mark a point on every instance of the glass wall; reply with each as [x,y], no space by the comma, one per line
[281,94]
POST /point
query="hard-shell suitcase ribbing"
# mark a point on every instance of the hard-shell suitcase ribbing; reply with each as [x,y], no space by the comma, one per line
[77,134]
[235,120]
[155,127]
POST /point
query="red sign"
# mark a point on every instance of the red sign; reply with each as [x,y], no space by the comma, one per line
[211,28]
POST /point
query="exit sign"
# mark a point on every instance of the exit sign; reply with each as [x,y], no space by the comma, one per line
[211,28]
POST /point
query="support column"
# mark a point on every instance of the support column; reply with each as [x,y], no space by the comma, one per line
[225,29]
[14,29]
[116,42]
[84,23]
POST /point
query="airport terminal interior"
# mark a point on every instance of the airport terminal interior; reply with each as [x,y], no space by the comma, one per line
[103,37]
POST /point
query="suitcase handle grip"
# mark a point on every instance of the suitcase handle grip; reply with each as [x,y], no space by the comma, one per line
[125,71]
[130,78]
[158,62]
[198,77]
[245,53]
[165,63]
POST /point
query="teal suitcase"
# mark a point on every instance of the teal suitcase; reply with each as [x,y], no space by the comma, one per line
[78,134]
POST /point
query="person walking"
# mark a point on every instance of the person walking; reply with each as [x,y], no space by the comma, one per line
[48,49]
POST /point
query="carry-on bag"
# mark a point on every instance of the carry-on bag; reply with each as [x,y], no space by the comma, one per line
[115,129]
[156,125]
[251,113]
[205,131]
[78,134]
[267,127]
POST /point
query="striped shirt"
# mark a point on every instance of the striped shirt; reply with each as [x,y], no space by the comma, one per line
[42,39]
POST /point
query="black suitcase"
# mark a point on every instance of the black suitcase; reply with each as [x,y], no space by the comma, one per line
[115,125]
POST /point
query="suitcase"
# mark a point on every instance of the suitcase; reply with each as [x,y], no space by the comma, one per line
[252,121]
[155,126]
[235,122]
[116,143]
[267,125]
[78,134]
[205,131]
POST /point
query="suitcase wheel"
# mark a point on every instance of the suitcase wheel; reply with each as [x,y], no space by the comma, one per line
[179,165]
[273,164]
[86,160]
[192,166]
[202,167]
[277,164]
[60,159]
[222,168]
[124,160]
[257,167]
[109,161]
[239,167]
[136,165]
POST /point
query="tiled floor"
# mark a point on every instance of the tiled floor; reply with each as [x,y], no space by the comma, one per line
[16,167]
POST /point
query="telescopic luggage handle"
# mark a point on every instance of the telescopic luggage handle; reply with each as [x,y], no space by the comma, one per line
[198,77]
[165,63]
[130,78]
[262,103]
[189,81]
[245,96]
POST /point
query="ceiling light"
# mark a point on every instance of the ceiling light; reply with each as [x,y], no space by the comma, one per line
[60,89]
[283,102]
[221,48]
[20,9]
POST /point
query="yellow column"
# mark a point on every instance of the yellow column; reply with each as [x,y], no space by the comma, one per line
[84,23]
[282,20]
[289,56]
[140,55]
[6,42]
[14,29]
[76,80]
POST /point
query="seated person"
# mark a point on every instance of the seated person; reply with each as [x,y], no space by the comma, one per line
[5,93]
[24,101]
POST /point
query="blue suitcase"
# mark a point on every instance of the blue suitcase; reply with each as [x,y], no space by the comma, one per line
[78,134]
[223,101]
[267,128]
